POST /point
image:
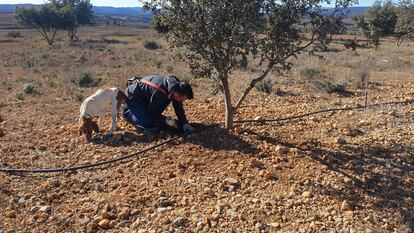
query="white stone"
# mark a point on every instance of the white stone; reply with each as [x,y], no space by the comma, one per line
[45,209]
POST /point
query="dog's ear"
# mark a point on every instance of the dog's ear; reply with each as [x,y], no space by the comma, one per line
[86,128]
[82,127]
[95,126]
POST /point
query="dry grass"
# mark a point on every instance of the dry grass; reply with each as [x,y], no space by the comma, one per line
[114,54]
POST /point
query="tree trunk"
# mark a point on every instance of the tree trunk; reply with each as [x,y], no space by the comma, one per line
[72,34]
[54,34]
[43,31]
[49,42]
[227,100]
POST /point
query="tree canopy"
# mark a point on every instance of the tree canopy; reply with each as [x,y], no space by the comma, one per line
[218,34]
[47,20]
[77,12]
[56,15]
[378,21]
[404,28]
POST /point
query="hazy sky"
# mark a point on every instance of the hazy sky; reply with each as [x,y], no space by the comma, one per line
[125,3]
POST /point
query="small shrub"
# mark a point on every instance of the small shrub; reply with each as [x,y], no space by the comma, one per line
[325,49]
[20,95]
[361,78]
[29,62]
[29,88]
[351,44]
[110,41]
[52,84]
[78,96]
[14,34]
[280,92]
[265,86]
[322,84]
[157,63]
[151,45]
[7,84]
[169,69]
[310,72]
[339,87]
[86,80]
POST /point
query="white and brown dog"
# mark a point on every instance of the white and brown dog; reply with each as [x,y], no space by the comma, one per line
[94,106]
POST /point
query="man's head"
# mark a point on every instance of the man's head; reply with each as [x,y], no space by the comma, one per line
[183,92]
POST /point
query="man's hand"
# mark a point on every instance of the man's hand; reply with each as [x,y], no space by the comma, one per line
[188,128]
[171,122]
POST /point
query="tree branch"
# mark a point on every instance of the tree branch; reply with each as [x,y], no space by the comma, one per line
[272,63]
[252,84]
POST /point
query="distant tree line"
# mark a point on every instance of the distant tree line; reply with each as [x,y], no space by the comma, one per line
[56,15]
[384,19]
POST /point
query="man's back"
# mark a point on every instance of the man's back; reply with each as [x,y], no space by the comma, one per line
[156,101]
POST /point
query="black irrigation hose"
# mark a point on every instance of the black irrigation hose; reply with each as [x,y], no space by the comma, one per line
[323,111]
[86,166]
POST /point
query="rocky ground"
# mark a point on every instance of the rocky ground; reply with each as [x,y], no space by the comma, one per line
[347,171]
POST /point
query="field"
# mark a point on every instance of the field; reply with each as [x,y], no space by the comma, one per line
[346,171]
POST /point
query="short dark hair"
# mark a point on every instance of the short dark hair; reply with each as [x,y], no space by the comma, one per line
[186,89]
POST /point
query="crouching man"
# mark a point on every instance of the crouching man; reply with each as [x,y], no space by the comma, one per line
[147,99]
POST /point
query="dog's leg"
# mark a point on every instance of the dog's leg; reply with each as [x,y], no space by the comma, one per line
[114,117]
[100,121]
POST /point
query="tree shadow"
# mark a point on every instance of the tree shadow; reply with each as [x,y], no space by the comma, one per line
[217,139]
[214,138]
[380,173]
[377,174]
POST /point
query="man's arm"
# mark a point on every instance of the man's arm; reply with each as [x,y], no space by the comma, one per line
[179,111]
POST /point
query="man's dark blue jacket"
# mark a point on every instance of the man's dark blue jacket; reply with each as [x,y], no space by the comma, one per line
[155,100]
